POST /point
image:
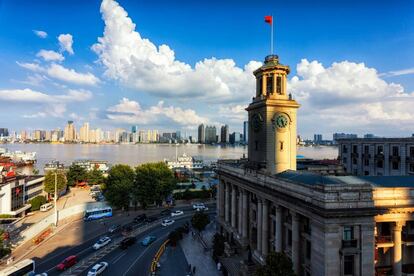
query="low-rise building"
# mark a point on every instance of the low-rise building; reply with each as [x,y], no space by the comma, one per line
[377,156]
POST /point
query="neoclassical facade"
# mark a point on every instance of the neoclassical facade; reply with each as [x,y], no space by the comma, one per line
[328,225]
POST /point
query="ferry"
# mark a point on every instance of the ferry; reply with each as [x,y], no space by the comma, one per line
[185,161]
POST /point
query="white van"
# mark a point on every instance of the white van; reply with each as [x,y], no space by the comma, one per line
[46,207]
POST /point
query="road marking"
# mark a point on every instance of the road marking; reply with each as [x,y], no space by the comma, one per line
[116,259]
[142,254]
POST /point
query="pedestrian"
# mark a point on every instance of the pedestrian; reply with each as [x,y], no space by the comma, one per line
[218,266]
[194,269]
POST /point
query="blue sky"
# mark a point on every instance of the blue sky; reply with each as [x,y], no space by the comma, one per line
[352,63]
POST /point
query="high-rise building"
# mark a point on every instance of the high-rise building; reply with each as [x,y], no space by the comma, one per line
[84,133]
[201,134]
[211,135]
[317,138]
[224,134]
[245,131]
[4,132]
[235,138]
[70,133]
[134,129]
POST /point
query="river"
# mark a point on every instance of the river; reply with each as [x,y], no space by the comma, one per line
[142,153]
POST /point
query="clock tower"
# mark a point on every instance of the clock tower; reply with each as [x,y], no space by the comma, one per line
[272,120]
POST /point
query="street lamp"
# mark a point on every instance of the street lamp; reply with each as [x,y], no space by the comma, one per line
[56,212]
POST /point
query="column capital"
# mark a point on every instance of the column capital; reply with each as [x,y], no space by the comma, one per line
[295,216]
[398,225]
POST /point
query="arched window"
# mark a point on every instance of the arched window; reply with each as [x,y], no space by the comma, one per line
[279,85]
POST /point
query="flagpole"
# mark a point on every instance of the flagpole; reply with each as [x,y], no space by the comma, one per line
[271,38]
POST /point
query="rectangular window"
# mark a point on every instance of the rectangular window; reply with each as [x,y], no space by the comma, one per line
[366,149]
[355,149]
[380,164]
[412,151]
[344,160]
[269,84]
[344,149]
[366,172]
[259,87]
[395,165]
[289,238]
[380,150]
[366,162]
[395,151]
[411,167]
[279,85]
[349,265]
[354,161]
[348,233]
[308,250]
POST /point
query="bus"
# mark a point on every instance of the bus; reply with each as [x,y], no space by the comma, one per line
[22,268]
[98,213]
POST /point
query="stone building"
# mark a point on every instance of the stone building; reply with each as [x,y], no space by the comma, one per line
[327,225]
[377,156]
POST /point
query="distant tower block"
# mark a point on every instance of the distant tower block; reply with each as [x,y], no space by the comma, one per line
[272,119]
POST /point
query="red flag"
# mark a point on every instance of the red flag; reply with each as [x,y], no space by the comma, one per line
[268,19]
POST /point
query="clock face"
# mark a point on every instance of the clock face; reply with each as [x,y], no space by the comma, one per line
[281,121]
[257,121]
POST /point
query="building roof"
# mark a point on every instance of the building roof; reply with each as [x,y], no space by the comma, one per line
[310,178]
[376,140]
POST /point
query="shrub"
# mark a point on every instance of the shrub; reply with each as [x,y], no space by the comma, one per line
[37,202]
[200,221]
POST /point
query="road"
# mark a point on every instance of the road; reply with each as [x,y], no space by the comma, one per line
[135,260]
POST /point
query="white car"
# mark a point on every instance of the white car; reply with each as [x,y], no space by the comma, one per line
[202,209]
[98,269]
[198,206]
[167,222]
[177,213]
[101,242]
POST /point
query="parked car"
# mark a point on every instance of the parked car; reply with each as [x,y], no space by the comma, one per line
[42,274]
[167,222]
[125,243]
[101,242]
[127,228]
[114,228]
[140,218]
[177,213]
[201,209]
[98,269]
[150,219]
[68,262]
[46,207]
[148,240]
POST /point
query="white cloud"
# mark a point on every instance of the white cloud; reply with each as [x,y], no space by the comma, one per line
[41,34]
[407,71]
[69,75]
[49,55]
[137,63]
[66,42]
[53,105]
[348,96]
[31,66]
[131,112]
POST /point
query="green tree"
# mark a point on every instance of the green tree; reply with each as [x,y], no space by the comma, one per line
[153,183]
[200,220]
[95,177]
[36,202]
[76,174]
[50,182]
[119,185]
[277,264]
[218,244]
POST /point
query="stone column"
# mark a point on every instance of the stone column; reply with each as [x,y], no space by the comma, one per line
[227,203]
[265,227]
[220,199]
[240,212]
[245,220]
[278,238]
[397,264]
[259,226]
[233,206]
[295,242]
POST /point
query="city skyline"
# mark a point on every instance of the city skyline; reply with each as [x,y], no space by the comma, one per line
[68,71]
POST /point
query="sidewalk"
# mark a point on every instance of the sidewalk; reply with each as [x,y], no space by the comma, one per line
[197,256]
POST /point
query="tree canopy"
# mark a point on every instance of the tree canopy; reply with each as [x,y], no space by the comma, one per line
[277,264]
[50,182]
[153,183]
[95,177]
[76,174]
[200,221]
[119,185]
